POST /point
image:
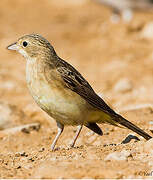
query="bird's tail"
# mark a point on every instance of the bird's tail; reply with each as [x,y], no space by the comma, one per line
[131,126]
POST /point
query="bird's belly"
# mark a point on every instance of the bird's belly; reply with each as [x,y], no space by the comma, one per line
[63,105]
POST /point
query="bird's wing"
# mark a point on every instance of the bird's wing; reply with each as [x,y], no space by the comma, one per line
[75,81]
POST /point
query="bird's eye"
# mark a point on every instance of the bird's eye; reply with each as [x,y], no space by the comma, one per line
[25,43]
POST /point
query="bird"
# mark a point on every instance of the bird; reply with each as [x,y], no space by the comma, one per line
[62,92]
[125,8]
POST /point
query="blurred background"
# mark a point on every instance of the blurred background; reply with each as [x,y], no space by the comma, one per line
[109,41]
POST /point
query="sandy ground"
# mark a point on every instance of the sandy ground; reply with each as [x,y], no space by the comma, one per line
[117,59]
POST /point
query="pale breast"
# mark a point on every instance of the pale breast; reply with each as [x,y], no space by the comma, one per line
[58,101]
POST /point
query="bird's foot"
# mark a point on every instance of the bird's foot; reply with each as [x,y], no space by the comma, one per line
[53,149]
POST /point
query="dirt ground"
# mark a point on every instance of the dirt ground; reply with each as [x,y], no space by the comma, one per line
[117,60]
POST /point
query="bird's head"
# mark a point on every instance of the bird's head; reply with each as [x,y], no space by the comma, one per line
[32,46]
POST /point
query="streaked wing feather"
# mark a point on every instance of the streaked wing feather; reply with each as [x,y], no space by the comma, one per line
[78,84]
[74,81]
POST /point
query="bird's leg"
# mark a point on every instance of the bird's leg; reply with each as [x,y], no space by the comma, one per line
[60,130]
[76,135]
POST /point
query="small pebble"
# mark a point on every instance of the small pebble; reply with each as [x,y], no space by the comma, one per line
[42,149]
[129,138]
[119,156]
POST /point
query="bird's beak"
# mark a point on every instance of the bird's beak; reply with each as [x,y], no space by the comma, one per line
[13,47]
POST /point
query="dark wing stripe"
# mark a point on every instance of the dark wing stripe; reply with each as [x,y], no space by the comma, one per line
[94,127]
[89,95]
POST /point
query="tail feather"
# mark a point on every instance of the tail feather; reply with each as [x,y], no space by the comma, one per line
[94,127]
[133,127]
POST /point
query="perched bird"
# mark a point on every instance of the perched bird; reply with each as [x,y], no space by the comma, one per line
[125,8]
[61,91]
